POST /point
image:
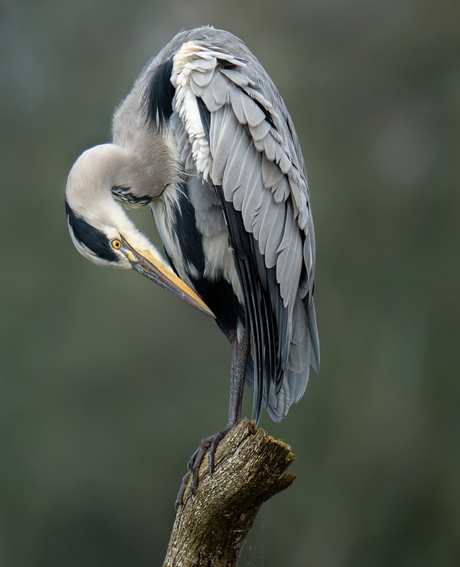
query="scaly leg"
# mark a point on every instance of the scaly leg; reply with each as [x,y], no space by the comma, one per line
[238,371]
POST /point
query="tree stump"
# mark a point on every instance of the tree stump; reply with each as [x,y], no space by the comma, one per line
[211,528]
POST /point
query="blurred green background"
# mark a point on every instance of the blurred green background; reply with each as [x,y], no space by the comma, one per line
[107,383]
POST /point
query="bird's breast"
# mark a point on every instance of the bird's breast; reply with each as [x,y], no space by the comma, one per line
[198,248]
[195,240]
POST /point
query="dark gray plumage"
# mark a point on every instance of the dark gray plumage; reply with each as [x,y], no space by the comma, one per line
[205,138]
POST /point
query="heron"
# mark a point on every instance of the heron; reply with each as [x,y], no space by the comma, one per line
[205,140]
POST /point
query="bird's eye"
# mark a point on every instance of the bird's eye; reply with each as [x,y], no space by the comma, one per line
[116,243]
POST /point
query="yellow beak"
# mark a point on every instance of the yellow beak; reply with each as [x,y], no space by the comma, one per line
[157,271]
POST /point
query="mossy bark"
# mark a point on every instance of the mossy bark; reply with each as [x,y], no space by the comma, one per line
[210,530]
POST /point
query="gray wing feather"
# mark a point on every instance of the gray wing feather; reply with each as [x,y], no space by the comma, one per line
[255,157]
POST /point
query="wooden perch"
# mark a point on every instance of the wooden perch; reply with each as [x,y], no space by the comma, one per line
[211,529]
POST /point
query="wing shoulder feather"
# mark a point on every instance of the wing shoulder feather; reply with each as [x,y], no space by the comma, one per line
[238,135]
[251,150]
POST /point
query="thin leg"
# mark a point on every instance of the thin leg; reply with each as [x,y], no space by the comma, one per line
[238,371]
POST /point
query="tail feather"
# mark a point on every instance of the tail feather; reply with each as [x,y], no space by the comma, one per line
[304,352]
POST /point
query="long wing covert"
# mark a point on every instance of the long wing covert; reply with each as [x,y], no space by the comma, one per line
[241,140]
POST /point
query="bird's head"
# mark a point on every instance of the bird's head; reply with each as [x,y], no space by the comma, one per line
[103,182]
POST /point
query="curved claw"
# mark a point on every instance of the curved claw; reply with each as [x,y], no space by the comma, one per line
[193,466]
[198,457]
[180,495]
[212,450]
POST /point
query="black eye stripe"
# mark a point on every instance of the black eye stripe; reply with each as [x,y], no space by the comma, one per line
[90,237]
[124,195]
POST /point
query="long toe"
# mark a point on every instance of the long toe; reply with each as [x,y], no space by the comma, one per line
[193,466]
[208,443]
[212,450]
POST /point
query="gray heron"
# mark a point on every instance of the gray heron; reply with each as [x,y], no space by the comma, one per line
[205,140]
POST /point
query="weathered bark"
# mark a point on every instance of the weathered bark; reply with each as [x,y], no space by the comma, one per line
[210,530]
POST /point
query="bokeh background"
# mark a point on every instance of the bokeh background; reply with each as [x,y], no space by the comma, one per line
[107,383]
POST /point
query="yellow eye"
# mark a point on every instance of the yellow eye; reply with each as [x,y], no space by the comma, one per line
[116,244]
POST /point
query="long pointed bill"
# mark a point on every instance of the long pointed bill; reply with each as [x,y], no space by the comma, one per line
[155,270]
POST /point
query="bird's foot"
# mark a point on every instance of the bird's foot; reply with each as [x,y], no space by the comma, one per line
[207,444]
